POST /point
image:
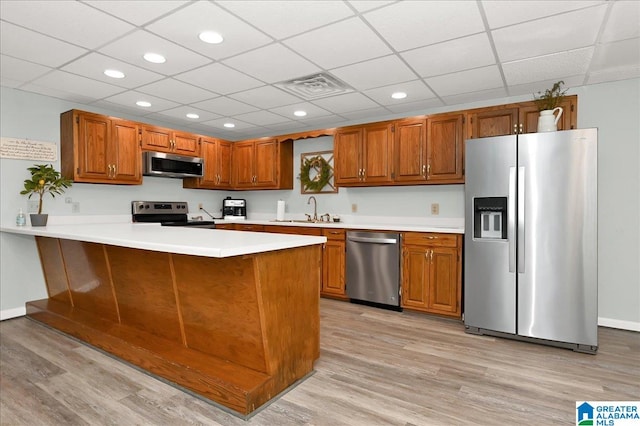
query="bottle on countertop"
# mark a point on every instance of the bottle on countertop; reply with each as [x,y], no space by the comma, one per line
[21,219]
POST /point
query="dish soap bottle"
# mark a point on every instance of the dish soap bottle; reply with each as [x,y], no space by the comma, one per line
[21,219]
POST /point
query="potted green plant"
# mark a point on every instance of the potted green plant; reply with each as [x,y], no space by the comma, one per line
[44,179]
[548,103]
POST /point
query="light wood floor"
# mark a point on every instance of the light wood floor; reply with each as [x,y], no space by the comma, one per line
[376,367]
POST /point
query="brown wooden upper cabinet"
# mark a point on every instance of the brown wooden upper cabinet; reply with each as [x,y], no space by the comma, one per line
[216,154]
[516,118]
[429,150]
[364,155]
[100,149]
[262,164]
[161,139]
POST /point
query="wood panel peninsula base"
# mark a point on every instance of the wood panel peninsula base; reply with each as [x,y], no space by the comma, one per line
[236,330]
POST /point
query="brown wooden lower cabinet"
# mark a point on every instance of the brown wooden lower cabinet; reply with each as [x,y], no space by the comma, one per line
[432,273]
[334,264]
[237,330]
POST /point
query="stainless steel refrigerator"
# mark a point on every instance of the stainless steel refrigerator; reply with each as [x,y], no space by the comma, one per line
[531,261]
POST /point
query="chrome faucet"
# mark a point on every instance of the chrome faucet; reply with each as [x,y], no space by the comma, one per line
[315,207]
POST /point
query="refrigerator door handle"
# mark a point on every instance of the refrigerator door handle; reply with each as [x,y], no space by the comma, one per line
[521,219]
[511,219]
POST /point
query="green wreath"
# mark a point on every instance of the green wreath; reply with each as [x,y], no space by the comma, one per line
[321,179]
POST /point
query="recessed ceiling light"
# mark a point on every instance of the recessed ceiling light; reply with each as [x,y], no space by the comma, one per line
[210,37]
[143,104]
[229,125]
[192,115]
[399,95]
[154,58]
[114,73]
[300,113]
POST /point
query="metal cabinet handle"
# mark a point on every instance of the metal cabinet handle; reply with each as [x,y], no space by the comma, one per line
[431,256]
[515,129]
[522,129]
[431,237]
[424,170]
[428,169]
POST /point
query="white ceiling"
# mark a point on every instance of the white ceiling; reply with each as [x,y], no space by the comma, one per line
[440,52]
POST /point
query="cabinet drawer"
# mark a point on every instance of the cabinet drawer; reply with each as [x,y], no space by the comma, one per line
[431,239]
[249,227]
[333,234]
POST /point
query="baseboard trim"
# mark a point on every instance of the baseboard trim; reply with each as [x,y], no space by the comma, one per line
[13,313]
[621,324]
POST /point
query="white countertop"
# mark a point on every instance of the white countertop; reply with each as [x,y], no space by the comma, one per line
[182,240]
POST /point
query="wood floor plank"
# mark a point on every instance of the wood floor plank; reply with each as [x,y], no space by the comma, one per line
[376,367]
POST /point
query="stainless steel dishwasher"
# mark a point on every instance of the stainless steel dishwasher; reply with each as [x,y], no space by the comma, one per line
[373,268]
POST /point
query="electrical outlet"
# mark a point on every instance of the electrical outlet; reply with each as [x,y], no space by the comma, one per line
[435,208]
[32,207]
[68,200]
[75,207]
[354,208]
[200,206]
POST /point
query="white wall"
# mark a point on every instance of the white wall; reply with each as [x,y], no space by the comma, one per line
[613,108]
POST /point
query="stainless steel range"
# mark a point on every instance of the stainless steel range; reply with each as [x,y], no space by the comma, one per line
[167,213]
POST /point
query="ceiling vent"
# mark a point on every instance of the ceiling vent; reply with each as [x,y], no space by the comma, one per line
[315,86]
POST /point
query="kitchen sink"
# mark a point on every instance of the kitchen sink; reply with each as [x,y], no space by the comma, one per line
[300,221]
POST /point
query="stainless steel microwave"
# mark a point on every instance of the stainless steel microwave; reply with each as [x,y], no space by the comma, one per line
[171,165]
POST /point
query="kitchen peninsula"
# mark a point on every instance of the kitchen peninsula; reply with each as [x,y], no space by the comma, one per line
[230,316]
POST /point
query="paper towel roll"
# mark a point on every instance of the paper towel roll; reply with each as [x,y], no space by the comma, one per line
[280,210]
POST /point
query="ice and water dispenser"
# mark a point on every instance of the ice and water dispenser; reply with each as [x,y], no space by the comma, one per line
[490,218]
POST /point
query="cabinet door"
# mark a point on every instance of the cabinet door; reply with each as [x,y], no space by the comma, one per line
[443,282]
[377,153]
[209,152]
[243,164]
[333,269]
[346,148]
[224,164]
[411,151]
[126,153]
[493,122]
[415,277]
[94,133]
[265,163]
[445,148]
[529,116]
[186,144]
[156,139]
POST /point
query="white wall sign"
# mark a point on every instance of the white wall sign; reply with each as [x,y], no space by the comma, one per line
[24,149]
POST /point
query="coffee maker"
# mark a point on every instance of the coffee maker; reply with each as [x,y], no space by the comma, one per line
[234,209]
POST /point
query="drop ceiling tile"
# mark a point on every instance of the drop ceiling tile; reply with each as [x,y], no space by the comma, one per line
[375,73]
[268,64]
[339,44]
[466,81]
[72,83]
[179,114]
[130,98]
[416,90]
[71,21]
[623,22]
[614,74]
[34,47]
[262,118]
[177,91]
[20,71]
[218,124]
[470,52]
[54,92]
[418,107]
[136,12]
[93,66]
[281,19]
[132,48]
[618,54]
[219,78]
[479,96]
[345,103]
[554,66]
[224,106]
[365,5]
[532,89]
[327,121]
[311,110]
[288,127]
[367,115]
[501,13]
[410,24]
[184,26]
[265,97]
[559,33]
